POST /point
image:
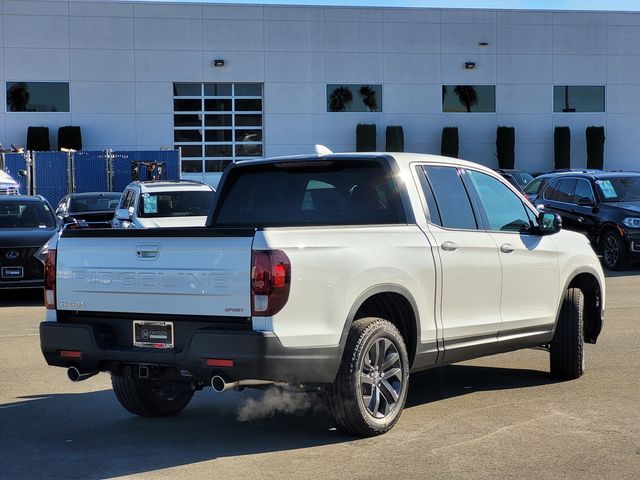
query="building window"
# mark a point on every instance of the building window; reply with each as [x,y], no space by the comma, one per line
[578,98]
[37,97]
[354,98]
[469,98]
[217,123]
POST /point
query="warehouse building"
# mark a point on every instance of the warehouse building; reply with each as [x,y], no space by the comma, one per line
[228,82]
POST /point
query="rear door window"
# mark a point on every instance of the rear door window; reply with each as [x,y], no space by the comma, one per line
[565,190]
[551,192]
[450,198]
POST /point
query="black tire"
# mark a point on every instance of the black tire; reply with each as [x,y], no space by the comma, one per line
[614,252]
[370,341]
[567,346]
[151,398]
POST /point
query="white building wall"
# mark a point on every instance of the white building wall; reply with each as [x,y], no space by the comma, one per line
[121,60]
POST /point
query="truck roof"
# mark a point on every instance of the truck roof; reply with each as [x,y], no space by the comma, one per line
[402,159]
[171,186]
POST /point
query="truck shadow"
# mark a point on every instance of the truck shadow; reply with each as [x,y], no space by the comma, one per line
[632,271]
[28,297]
[88,435]
[455,380]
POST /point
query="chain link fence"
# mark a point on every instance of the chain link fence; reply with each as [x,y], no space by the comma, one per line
[55,174]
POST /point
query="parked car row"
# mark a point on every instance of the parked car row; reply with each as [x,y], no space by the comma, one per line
[28,222]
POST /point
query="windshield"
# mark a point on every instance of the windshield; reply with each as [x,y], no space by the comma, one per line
[101,203]
[175,204]
[25,215]
[623,189]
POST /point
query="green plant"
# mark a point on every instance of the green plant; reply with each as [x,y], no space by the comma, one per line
[366,137]
[562,147]
[369,97]
[449,143]
[505,147]
[395,138]
[595,147]
[339,98]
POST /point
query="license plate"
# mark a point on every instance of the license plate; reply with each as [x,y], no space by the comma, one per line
[152,334]
[12,272]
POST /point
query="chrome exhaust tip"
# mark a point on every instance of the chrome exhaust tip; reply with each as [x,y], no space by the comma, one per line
[76,375]
[219,384]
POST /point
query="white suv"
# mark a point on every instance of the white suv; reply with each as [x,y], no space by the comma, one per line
[8,186]
[181,203]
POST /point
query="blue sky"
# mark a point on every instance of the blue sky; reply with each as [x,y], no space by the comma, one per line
[623,5]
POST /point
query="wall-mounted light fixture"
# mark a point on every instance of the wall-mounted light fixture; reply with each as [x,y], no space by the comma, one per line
[218,62]
[483,44]
[469,65]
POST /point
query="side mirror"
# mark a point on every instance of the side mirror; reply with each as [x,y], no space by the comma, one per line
[549,223]
[586,202]
[123,214]
[68,220]
[23,173]
[540,207]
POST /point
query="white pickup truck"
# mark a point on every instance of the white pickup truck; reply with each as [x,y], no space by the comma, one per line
[341,272]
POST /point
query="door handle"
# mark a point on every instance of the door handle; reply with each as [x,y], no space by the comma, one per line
[147,252]
[581,219]
[506,248]
[449,246]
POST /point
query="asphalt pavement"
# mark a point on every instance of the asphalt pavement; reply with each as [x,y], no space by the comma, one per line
[495,417]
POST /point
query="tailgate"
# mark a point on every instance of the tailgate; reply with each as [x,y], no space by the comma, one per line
[167,271]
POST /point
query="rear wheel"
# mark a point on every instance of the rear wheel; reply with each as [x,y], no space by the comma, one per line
[151,398]
[370,389]
[567,346]
[614,252]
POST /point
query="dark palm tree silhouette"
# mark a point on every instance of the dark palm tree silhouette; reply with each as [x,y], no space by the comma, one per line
[369,98]
[339,99]
[467,95]
[18,97]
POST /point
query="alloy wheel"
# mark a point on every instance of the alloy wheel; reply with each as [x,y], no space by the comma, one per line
[611,251]
[381,378]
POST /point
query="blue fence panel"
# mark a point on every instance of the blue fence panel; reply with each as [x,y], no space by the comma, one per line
[14,162]
[51,175]
[122,165]
[90,171]
[172,159]
[121,171]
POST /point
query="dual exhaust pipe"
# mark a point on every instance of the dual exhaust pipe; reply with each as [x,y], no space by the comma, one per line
[218,383]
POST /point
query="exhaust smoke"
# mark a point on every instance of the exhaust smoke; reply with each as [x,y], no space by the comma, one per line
[275,400]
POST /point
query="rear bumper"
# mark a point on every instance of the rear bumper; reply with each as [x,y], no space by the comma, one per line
[256,356]
[22,284]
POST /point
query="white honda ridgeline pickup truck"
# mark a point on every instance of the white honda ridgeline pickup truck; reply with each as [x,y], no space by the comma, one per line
[340,272]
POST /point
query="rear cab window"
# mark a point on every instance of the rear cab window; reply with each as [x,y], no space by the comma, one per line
[314,192]
[447,198]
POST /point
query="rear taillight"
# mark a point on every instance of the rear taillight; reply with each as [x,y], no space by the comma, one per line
[50,279]
[270,282]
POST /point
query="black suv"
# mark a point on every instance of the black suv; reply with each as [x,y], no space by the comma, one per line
[605,206]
